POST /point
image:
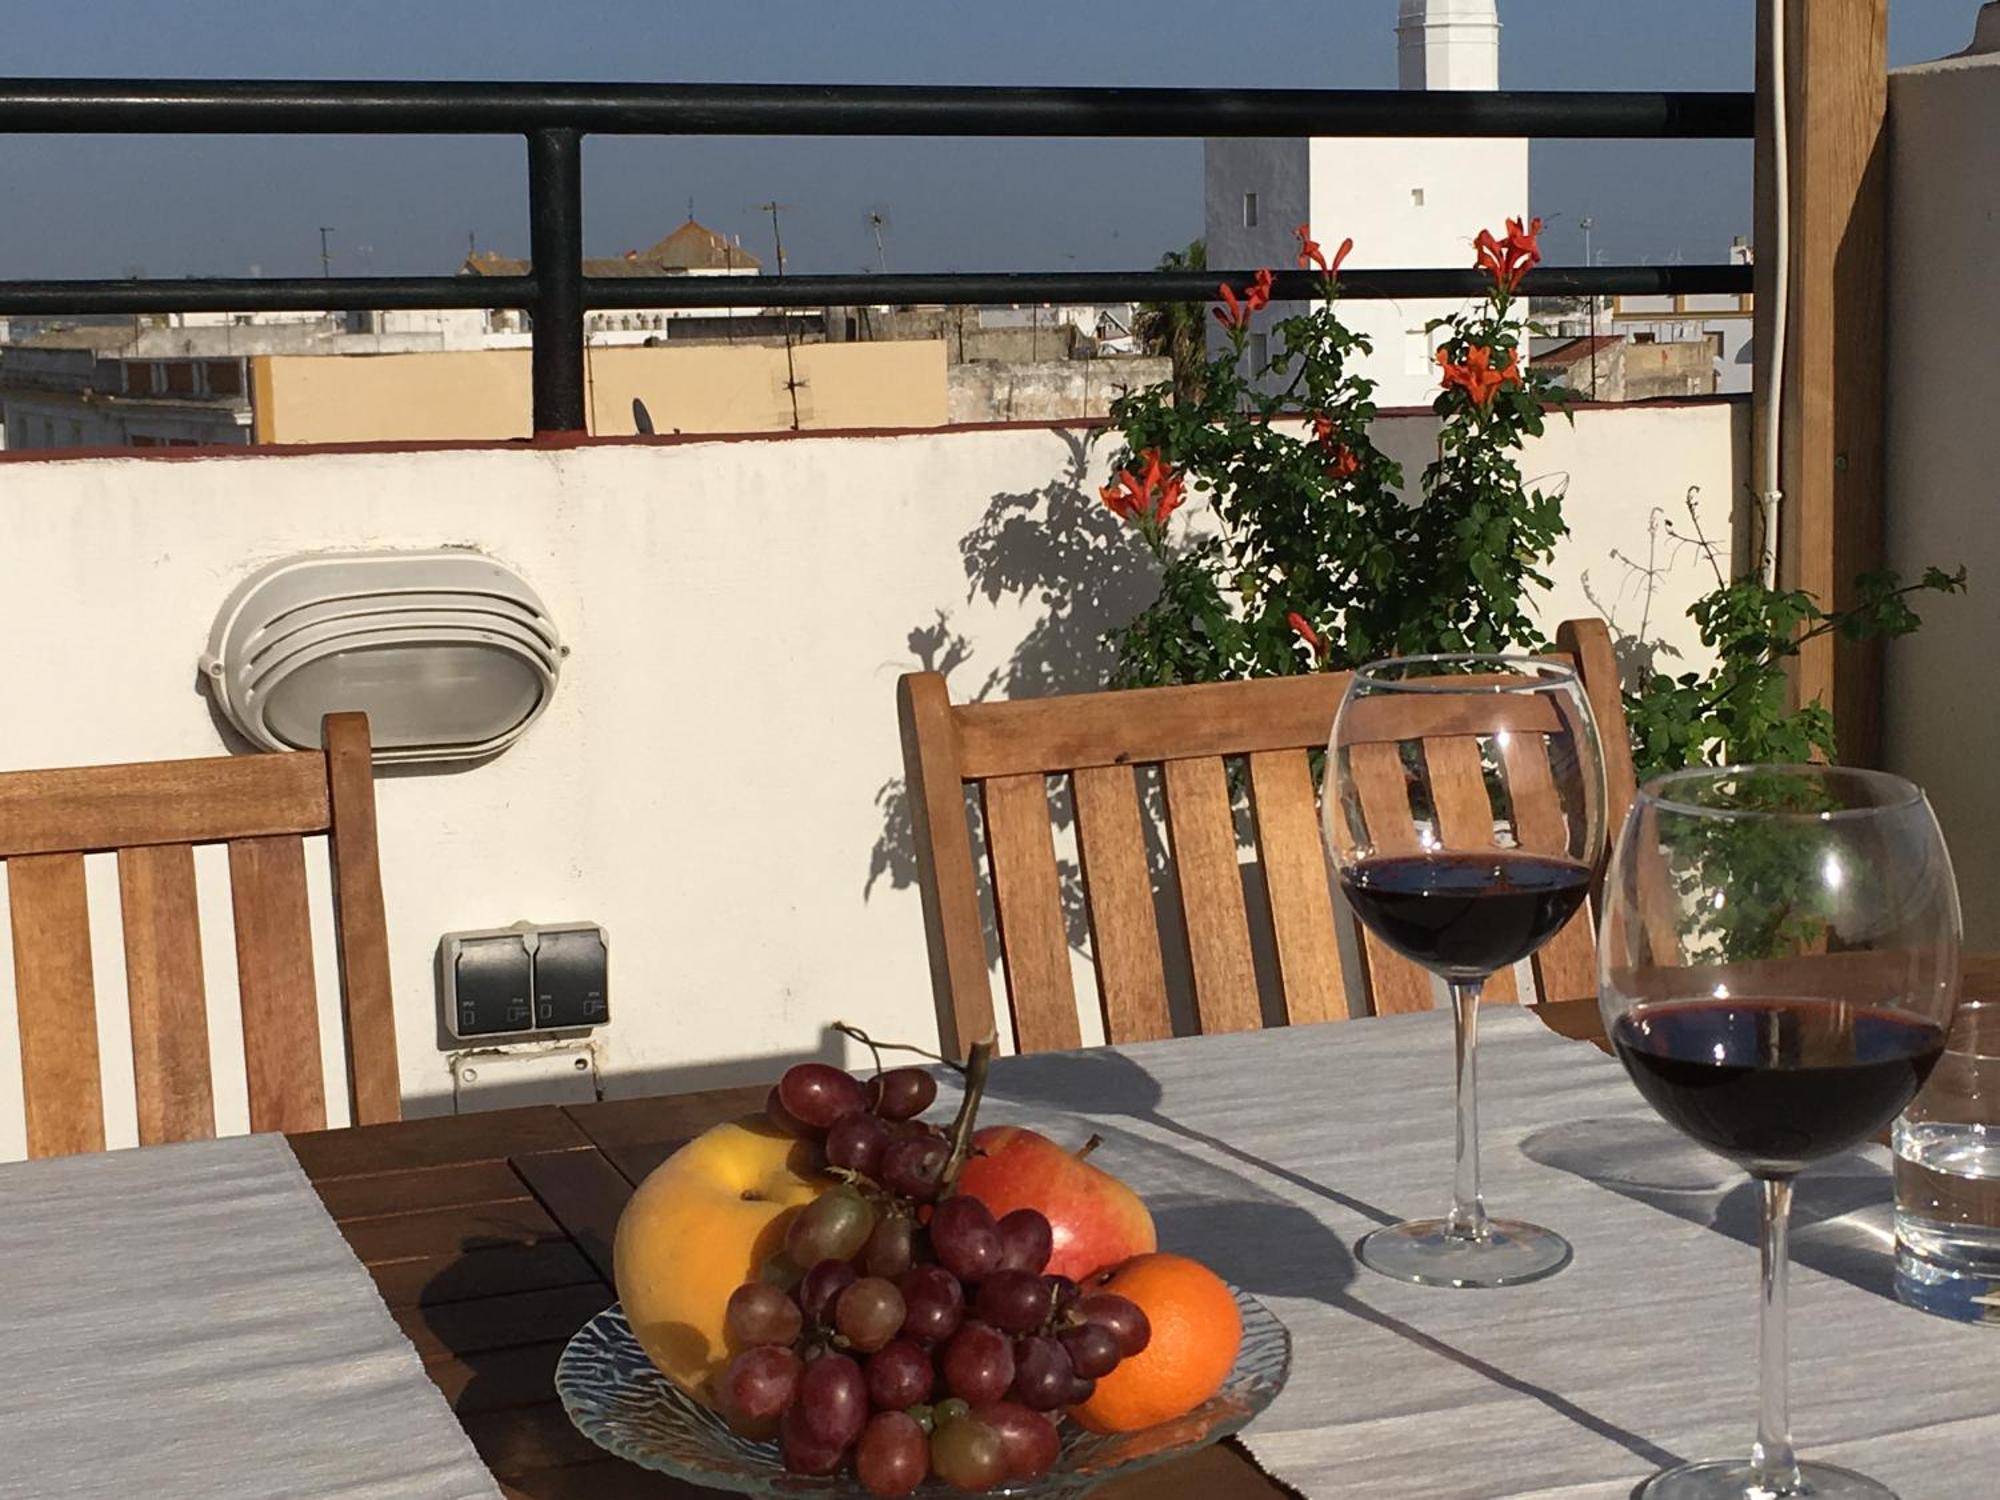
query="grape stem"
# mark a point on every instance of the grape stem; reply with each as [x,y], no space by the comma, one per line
[977,1061]
[849,1030]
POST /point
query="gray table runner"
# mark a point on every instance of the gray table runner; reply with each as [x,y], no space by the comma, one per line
[186,1321]
[1269,1154]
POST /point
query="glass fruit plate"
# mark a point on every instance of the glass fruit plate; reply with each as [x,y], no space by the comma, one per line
[618,1400]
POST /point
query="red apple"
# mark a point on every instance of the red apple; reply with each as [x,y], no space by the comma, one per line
[1097,1221]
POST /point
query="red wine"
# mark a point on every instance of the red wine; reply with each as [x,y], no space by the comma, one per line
[1465,915]
[1774,1084]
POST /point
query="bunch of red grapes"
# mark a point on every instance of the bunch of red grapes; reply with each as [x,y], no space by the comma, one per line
[911,1334]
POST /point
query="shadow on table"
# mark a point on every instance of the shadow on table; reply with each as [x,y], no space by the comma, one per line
[1268,1245]
[1843,1210]
[492,1324]
[1101,1082]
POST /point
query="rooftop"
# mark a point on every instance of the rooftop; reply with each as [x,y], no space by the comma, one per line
[692,247]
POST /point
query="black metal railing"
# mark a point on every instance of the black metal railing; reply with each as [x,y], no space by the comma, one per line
[554,118]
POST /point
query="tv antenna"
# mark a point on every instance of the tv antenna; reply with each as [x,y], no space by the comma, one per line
[774,208]
[878,220]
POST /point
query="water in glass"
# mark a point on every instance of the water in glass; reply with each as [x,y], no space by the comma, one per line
[1947,1148]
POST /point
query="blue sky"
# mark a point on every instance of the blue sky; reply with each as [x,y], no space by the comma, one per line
[107,206]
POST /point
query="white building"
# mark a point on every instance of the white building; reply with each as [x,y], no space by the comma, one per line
[1724,321]
[691,250]
[1413,203]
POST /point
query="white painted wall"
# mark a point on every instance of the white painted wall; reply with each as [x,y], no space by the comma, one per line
[709,781]
[1943,719]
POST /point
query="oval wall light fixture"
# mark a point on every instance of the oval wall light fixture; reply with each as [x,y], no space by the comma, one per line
[450,654]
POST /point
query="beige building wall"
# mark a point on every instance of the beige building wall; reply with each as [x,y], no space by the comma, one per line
[349,398]
[742,388]
[487,393]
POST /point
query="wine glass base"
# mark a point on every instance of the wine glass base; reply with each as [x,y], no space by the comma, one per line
[1733,1479]
[1424,1251]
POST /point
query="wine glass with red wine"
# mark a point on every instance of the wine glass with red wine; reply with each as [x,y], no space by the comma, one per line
[1465,810]
[1778,970]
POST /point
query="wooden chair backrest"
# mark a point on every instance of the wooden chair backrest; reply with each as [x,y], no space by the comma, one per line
[1096,740]
[152,815]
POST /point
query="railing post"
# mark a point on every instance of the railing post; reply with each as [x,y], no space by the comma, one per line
[1832,464]
[555,234]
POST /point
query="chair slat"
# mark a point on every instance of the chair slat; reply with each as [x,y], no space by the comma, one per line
[1465,818]
[1588,644]
[56,1004]
[90,808]
[1566,965]
[946,874]
[1432,716]
[1293,854]
[361,922]
[1203,830]
[166,993]
[1124,928]
[1027,897]
[274,968]
[1394,984]
[1140,726]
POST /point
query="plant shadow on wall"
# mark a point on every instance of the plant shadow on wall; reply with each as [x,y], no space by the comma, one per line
[1058,549]
[1639,653]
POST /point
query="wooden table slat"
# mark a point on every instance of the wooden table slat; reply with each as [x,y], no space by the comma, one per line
[461,1277]
[583,1193]
[447,1140]
[498,1379]
[465,1229]
[460,1330]
[423,1190]
[609,1479]
[529,1438]
[676,1117]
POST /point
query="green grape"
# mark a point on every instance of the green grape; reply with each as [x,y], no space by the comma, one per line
[968,1455]
[833,1227]
[869,1313]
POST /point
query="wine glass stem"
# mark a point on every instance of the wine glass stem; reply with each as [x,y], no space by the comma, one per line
[1772,1460]
[1468,1212]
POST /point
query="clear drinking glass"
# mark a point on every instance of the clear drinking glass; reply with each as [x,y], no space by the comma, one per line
[1947,1146]
[1778,967]
[1464,806]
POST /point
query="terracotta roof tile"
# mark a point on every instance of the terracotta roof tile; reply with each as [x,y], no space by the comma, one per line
[692,247]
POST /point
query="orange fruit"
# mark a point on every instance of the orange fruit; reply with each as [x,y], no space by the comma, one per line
[1196,1332]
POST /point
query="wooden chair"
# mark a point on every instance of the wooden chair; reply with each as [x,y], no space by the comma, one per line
[1096,741]
[152,815]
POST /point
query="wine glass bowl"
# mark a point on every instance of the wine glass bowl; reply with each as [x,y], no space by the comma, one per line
[1778,967]
[1464,809]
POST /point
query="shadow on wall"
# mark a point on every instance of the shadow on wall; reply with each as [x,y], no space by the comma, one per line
[1669,546]
[1060,550]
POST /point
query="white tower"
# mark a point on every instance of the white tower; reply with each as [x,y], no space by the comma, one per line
[1406,202]
[1448,44]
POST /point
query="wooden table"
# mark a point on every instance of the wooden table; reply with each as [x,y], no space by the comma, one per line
[489,1236]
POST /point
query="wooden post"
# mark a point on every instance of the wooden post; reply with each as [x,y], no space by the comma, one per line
[1832,472]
